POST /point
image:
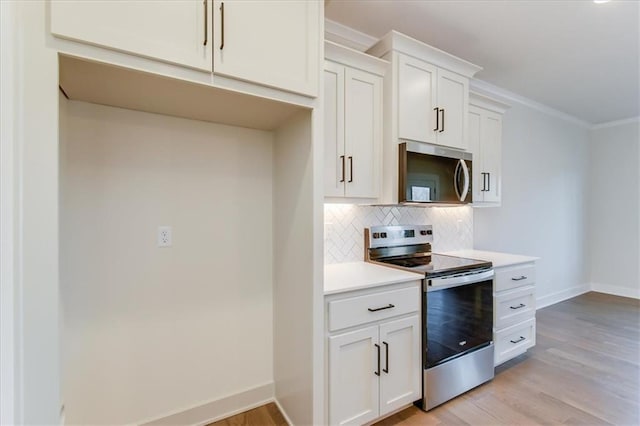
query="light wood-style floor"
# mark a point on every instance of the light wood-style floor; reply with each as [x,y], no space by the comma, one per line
[584,370]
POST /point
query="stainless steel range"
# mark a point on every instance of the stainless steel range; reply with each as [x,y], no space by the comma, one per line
[457,309]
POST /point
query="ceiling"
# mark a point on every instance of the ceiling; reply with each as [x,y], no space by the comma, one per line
[574,56]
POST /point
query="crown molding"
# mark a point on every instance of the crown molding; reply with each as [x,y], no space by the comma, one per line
[346,36]
[487,102]
[484,88]
[616,123]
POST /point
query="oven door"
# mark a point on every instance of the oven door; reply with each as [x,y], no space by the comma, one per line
[459,316]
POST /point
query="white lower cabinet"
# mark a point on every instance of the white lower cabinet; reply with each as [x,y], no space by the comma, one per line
[375,367]
[514,310]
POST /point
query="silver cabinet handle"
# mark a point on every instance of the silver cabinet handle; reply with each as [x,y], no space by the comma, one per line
[520,306]
[520,278]
[518,340]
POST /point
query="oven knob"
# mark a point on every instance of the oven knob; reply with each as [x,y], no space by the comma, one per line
[423,232]
[376,235]
[383,235]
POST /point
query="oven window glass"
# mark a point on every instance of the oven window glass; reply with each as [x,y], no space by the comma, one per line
[459,320]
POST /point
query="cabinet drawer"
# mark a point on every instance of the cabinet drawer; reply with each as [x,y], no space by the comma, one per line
[373,307]
[514,276]
[514,306]
[515,340]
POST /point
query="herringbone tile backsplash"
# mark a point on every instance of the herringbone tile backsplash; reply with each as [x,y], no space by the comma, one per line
[344,227]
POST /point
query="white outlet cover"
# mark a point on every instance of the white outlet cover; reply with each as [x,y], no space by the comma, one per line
[164,236]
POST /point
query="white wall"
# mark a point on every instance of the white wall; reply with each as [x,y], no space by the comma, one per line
[150,331]
[544,201]
[614,186]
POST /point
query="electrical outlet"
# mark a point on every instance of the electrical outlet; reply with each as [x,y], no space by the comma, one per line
[164,236]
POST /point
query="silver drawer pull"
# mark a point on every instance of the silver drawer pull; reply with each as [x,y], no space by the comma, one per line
[518,340]
[389,306]
[522,305]
[520,278]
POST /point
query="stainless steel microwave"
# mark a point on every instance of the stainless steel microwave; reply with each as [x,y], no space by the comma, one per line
[433,175]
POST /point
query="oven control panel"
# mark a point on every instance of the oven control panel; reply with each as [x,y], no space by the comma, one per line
[398,235]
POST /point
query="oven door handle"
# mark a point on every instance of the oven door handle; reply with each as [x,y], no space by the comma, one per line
[455,280]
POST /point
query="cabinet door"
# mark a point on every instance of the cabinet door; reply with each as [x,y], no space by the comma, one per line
[274,43]
[363,133]
[334,159]
[401,380]
[172,31]
[416,100]
[353,385]
[478,183]
[491,140]
[453,97]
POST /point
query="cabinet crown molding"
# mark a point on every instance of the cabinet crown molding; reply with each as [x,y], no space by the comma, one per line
[347,56]
[395,41]
[486,102]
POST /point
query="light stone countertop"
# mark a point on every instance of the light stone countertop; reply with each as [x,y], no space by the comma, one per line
[498,259]
[341,277]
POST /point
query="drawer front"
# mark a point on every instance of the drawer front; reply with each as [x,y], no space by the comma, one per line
[514,277]
[515,340]
[512,307]
[373,307]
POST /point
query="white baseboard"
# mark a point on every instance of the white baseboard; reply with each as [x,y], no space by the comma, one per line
[553,298]
[218,409]
[616,290]
[284,413]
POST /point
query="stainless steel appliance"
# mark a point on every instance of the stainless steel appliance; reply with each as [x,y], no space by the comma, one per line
[432,174]
[457,309]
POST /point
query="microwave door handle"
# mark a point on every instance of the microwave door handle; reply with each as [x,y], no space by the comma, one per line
[465,172]
[456,176]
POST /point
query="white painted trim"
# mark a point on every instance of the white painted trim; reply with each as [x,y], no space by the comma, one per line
[218,409]
[9,374]
[616,123]
[283,412]
[398,42]
[337,53]
[616,290]
[560,296]
[347,36]
[487,102]
[484,88]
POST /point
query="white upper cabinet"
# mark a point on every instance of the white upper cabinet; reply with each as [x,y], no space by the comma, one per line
[432,104]
[272,43]
[352,123]
[416,100]
[426,96]
[485,142]
[173,31]
[453,102]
